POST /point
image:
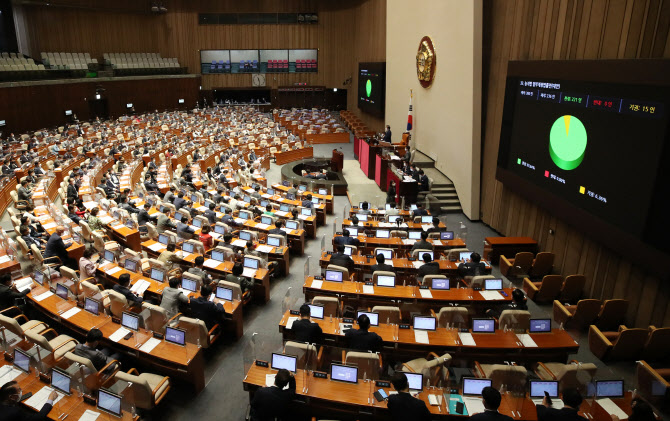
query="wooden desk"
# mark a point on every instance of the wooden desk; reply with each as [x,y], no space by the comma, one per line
[319,138]
[494,247]
[282,158]
[10,266]
[368,244]
[327,198]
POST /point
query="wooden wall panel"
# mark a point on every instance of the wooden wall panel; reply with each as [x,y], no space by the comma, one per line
[565,30]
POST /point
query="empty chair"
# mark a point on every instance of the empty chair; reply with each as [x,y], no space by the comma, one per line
[657,347]
[196,331]
[96,291]
[572,288]
[542,265]
[578,316]
[453,317]
[514,319]
[308,357]
[147,389]
[479,280]
[612,314]
[342,269]
[20,324]
[574,375]
[520,265]
[369,364]
[58,344]
[454,254]
[626,344]
[544,291]
[433,367]
[331,305]
[653,385]
[512,376]
[388,314]
[118,303]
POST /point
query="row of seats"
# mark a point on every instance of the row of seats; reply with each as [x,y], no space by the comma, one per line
[139,61]
[629,344]
[78,61]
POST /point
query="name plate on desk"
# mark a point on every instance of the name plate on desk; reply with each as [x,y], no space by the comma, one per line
[347,320]
[295,312]
[262,363]
[380,383]
[320,375]
[424,287]
[317,277]
[403,326]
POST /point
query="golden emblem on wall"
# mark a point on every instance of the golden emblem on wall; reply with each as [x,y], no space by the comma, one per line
[425,62]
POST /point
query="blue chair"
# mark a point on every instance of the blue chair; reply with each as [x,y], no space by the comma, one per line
[220,65]
[227,66]
[212,66]
[254,65]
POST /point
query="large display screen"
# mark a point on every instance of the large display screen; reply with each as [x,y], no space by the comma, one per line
[372,88]
[588,150]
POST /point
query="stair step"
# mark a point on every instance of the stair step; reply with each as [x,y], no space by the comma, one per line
[436,190]
[446,196]
[451,209]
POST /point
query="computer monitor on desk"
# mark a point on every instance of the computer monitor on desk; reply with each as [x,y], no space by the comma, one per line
[92,306]
[362,217]
[609,388]
[109,402]
[353,232]
[414,235]
[189,284]
[474,387]
[60,381]
[538,387]
[130,321]
[343,373]
[423,253]
[21,360]
[414,381]
[383,234]
[334,275]
[274,241]
[425,323]
[446,235]
[223,293]
[495,284]
[374,317]
[440,283]
[187,247]
[157,275]
[175,335]
[386,281]
[130,265]
[483,325]
[540,326]
[287,362]
[316,311]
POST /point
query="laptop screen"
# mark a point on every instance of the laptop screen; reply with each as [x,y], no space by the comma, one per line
[386,281]
[415,381]
[387,253]
[464,255]
[414,235]
[483,325]
[383,234]
[271,192]
[412,207]
[474,387]
[21,360]
[348,250]
[284,208]
[218,255]
[164,239]
[353,232]
[333,276]
[609,388]
[130,224]
[245,235]
[60,381]
[362,217]
[394,218]
[38,277]
[187,247]
[266,220]
[540,325]
[425,323]
[343,373]
[323,191]
[219,229]
[109,255]
[290,196]
[224,293]
[274,241]
[306,211]
[189,284]
[493,284]
[157,274]
[175,336]
[92,306]
[247,199]
[315,311]
[250,263]
[109,402]
[374,317]
[446,235]
[538,387]
[61,291]
[440,283]
[423,253]
[302,187]
[426,219]
[130,265]
[197,223]
[178,216]
[244,215]
[264,203]
[315,200]
[130,321]
[288,362]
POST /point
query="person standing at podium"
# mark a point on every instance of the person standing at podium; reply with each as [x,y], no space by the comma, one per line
[387,134]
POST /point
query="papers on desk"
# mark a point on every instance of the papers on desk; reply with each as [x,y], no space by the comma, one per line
[38,400]
[5,259]
[555,403]
[303,217]
[240,220]
[287,230]
[436,242]
[249,272]
[611,408]
[289,322]
[417,264]
[156,247]
[526,340]
[113,270]
[425,293]
[345,326]
[201,208]
[262,226]
[408,241]
[264,249]
[215,235]
[23,283]
[270,381]
[8,373]
[182,254]
[421,337]
[106,219]
[211,263]
[119,334]
[89,415]
[466,339]
[140,286]
[90,204]
[491,295]
[474,405]
[239,243]
[118,227]
[317,283]
[71,312]
[435,400]
[368,289]
[282,213]
[49,225]
[43,296]
[185,292]
[149,345]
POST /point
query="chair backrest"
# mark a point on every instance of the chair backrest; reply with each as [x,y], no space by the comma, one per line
[549,289]
[69,273]
[523,262]
[38,339]
[143,396]
[367,362]
[629,344]
[572,288]
[587,312]
[513,376]
[612,314]
[379,273]
[157,318]
[330,305]
[514,319]
[118,303]
[237,290]
[650,382]
[388,314]
[454,254]
[90,290]
[88,364]
[342,269]
[453,317]
[576,376]
[305,352]
[479,280]
[398,234]
[657,346]
[12,325]
[435,369]
[542,264]
[196,331]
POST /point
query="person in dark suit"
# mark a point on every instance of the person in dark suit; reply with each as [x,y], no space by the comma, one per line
[72,190]
[387,134]
[56,248]
[278,230]
[307,202]
[572,399]
[99,357]
[404,406]
[169,195]
[347,240]
[423,181]
[419,211]
[11,410]
[422,244]
[472,268]
[205,310]
[341,259]
[518,303]
[210,214]
[306,330]
[123,204]
[123,287]
[30,240]
[273,402]
[143,216]
[362,340]
[491,399]
[435,227]
[8,294]
[72,214]
[429,266]
[179,202]
[381,265]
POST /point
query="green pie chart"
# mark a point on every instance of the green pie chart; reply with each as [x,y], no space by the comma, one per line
[567,142]
[368,88]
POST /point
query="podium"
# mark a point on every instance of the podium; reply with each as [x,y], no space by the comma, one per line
[337,161]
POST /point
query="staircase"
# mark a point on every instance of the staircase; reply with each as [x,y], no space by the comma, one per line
[442,196]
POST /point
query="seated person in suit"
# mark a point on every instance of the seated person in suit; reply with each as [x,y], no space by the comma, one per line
[362,340]
[293,190]
[393,211]
[518,303]
[143,215]
[423,244]
[404,406]
[429,266]
[198,270]
[205,310]
[572,400]
[30,240]
[99,357]
[56,248]
[279,224]
[346,240]
[9,293]
[169,195]
[640,411]
[341,259]
[381,265]
[472,268]
[172,297]
[11,409]
[123,287]
[270,403]
[435,227]
[168,257]
[236,277]
[491,399]
[307,201]
[304,329]
[365,208]
[210,214]
[419,211]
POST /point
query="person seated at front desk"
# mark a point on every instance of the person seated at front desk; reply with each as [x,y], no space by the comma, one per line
[172,296]
[429,267]
[8,292]
[474,267]
[422,244]
[518,303]
[346,240]
[340,259]
[30,240]
[99,357]
[404,406]
[10,408]
[381,265]
[307,201]
[304,329]
[56,248]
[362,340]
[123,288]
[205,310]
[419,211]
[491,399]
[387,134]
[270,403]
[572,400]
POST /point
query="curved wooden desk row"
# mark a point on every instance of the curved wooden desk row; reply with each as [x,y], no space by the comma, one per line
[398,343]
[368,244]
[309,221]
[320,396]
[285,157]
[183,362]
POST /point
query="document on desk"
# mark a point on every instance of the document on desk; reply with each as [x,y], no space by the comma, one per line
[183,254]
[368,289]
[491,295]
[436,243]
[23,284]
[270,381]
[119,334]
[71,312]
[106,219]
[156,247]
[240,221]
[118,227]
[49,225]
[9,373]
[417,264]
[140,286]
[474,405]
[467,339]
[408,241]
[303,217]
[249,272]
[289,322]
[282,213]
[113,270]
[211,263]
[38,400]
[421,337]
[240,243]
[89,415]
[555,403]
[287,230]
[317,283]
[345,326]
[425,293]
[611,408]
[262,226]
[264,249]
[149,345]
[5,259]
[43,296]
[526,340]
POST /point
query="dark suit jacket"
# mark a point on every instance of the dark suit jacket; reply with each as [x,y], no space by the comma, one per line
[72,191]
[179,202]
[307,331]
[56,247]
[210,215]
[490,416]
[206,311]
[17,413]
[341,259]
[387,136]
[271,402]
[471,269]
[132,298]
[360,340]
[8,295]
[405,407]
[130,208]
[347,241]
[432,268]
[277,231]
[419,212]
[422,245]
[143,217]
[563,414]
[97,357]
[384,267]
